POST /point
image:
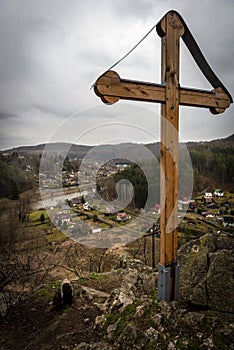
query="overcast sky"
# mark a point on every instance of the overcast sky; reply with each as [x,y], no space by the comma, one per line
[52,51]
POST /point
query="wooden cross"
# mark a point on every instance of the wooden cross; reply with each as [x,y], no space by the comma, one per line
[110,87]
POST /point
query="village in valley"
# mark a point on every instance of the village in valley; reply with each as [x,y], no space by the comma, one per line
[211,212]
[78,211]
[85,217]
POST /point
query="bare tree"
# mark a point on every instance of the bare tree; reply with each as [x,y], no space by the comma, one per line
[24,208]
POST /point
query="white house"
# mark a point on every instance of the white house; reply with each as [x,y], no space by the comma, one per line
[208,195]
[218,193]
[86,206]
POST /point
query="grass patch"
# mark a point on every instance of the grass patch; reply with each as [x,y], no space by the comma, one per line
[45,225]
[93,277]
[55,236]
[35,215]
[103,225]
[221,341]
[122,319]
[34,220]
[47,291]
[96,276]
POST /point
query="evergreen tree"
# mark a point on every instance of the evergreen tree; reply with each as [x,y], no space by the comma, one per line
[42,218]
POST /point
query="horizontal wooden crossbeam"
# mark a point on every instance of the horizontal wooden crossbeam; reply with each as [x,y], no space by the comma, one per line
[110,87]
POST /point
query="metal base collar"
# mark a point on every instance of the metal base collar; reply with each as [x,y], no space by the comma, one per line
[164,274]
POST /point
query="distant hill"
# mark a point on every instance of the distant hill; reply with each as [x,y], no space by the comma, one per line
[75,151]
[128,150]
[222,143]
[213,161]
[78,151]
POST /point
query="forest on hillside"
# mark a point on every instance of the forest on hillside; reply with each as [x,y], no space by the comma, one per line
[211,166]
[13,180]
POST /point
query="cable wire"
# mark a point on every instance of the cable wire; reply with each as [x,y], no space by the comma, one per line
[128,53]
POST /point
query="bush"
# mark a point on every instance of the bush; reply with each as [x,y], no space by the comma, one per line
[95,217]
[42,218]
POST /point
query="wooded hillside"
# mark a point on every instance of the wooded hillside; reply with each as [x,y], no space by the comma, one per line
[212,165]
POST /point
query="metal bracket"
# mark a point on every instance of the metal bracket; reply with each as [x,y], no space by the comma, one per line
[163,283]
[164,274]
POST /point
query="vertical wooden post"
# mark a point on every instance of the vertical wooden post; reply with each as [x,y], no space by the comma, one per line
[173,29]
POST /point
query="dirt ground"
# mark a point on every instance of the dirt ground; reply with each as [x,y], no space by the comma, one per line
[33,324]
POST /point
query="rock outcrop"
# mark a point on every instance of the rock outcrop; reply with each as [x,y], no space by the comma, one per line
[164,326]
[202,319]
[138,280]
[206,275]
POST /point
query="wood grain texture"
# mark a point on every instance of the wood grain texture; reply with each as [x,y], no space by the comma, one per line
[111,88]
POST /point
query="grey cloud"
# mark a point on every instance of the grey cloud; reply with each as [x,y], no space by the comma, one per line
[51,53]
[135,9]
[7,116]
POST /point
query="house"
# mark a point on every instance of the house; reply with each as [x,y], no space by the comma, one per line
[61,218]
[193,205]
[185,201]
[208,201]
[228,221]
[96,230]
[123,217]
[148,226]
[74,202]
[110,210]
[180,206]
[208,195]
[86,206]
[157,208]
[65,209]
[218,193]
[209,215]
